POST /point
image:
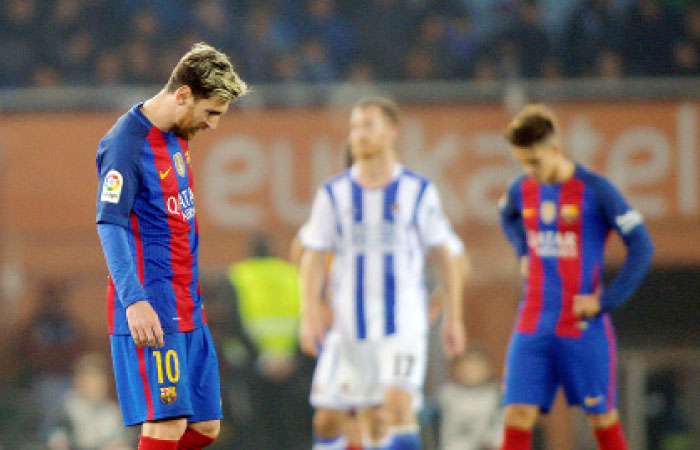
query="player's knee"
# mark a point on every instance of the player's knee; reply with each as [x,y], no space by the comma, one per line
[605,420]
[398,408]
[171,430]
[328,423]
[375,423]
[520,416]
[210,428]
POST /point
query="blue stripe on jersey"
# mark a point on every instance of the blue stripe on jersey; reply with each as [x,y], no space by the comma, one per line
[359,266]
[338,226]
[419,197]
[552,282]
[389,277]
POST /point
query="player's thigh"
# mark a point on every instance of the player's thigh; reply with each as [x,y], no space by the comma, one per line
[520,416]
[340,376]
[203,372]
[151,383]
[210,428]
[400,406]
[587,368]
[169,430]
[530,375]
[329,422]
[402,362]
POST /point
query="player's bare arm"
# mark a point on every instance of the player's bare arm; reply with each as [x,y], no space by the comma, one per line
[453,334]
[312,328]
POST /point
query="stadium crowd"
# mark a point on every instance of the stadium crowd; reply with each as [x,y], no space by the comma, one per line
[52,42]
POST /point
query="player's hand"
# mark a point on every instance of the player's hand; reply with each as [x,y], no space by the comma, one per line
[586,306]
[144,325]
[524,266]
[454,340]
[311,335]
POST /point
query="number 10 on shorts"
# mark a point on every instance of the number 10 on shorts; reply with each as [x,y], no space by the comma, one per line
[172,366]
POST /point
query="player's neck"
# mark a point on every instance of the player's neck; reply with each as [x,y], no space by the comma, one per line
[564,171]
[377,170]
[159,111]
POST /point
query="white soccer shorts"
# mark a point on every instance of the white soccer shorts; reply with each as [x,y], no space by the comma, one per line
[353,374]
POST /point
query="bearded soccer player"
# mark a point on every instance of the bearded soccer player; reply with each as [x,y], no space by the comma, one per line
[165,365]
[558,216]
[380,221]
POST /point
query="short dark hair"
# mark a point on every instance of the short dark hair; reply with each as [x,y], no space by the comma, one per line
[533,125]
[388,107]
[207,72]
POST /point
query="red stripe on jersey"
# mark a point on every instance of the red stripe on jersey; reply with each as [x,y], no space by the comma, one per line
[569,266]
[612,356]
[532,309]
[181,258]
[144,381]
[110,304]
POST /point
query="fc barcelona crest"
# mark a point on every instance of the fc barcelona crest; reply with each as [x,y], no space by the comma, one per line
[168,395]
[548,212]
[179,164]
[569,213]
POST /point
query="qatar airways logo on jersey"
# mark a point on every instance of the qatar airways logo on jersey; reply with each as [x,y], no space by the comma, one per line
[182,204]
[553,244]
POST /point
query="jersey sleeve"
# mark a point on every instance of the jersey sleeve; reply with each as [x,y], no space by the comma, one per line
[618,214]
[629,224]
[433,227]
[511,219]
[455,244]
[320,231]
[119,174]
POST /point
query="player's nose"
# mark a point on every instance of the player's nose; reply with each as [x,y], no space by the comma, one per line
[212,122]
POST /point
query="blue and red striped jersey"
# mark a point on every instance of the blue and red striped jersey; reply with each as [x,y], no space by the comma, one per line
[145,186]
[563,228]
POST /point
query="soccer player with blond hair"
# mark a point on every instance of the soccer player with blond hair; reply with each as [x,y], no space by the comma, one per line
[165,365]
[557,216]
[380,221]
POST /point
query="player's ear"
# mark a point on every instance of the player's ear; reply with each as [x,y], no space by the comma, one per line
[184,95]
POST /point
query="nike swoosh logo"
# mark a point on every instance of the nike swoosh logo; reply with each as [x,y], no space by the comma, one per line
[592,401]
[165,174]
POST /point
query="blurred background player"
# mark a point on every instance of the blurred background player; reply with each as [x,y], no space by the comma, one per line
[557,216]
[380,220]
[266,290]
[165,365]
[470,404]
[89,418]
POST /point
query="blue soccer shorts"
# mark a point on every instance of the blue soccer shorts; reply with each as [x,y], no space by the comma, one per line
[181,379]
[536,365]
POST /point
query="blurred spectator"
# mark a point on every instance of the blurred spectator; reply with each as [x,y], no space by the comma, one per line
[319,40]
[685,59]
[647,39]
[337,34]
[590,27]
[89,419]
[432,40]
[316,65]
[215,22]
[470,404]
[18,52]
[108,67]
[386,28]
[267,295]
[609,65]
[419,65]
[530,39]
[462,44]
[50,341]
